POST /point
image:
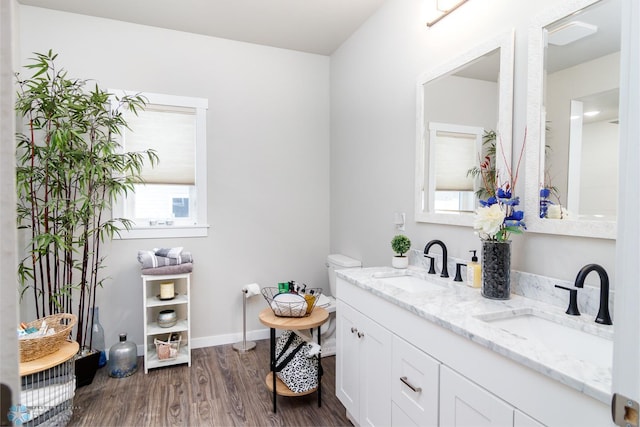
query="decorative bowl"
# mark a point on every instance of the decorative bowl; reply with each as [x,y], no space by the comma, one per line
[167,318]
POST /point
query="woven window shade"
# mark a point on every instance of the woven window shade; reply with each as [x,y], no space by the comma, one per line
[455,154]
[171,132]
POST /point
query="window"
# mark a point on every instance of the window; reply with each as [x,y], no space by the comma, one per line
[171,201]
[453,151]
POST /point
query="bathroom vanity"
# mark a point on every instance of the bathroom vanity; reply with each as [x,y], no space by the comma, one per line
[414,349]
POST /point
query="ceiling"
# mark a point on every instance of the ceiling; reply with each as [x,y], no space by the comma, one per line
[606,16]
[314,26]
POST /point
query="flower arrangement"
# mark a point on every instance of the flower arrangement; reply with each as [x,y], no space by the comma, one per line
[498,216]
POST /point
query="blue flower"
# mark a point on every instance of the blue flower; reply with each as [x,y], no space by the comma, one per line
[514,223]
[511,202]
[490,201]
[516,215]
[545,192]
[503,194]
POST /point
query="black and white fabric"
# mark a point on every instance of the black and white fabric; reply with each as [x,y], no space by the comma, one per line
[296,362]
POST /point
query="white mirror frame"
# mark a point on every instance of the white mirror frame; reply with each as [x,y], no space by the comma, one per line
[534,175]
[505,42]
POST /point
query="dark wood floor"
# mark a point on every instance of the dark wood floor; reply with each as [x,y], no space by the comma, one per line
[221,388]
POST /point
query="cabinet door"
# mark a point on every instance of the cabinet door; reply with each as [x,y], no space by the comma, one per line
[414,383]
[400,419]
[347,354]
[465,404]
[375,381]
[522,420]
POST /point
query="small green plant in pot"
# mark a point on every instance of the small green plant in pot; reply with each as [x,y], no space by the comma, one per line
[400,245]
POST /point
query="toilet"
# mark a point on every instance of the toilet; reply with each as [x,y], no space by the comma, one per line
[328,330]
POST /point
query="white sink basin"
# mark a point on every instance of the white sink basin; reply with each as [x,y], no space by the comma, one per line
[561,334]
[407,282]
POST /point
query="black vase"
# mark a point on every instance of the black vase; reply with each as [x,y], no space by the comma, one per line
[86,367]
[496,269]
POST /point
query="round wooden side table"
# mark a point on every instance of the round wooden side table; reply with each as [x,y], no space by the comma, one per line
[314,320]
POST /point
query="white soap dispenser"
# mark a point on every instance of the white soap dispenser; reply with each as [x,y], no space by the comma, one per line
[474,272]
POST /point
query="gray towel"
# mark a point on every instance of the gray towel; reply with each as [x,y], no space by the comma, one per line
[169,269]
[168,252]
[149,259]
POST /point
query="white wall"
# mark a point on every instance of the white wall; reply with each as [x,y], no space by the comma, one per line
[599,168]
[267,160]
[373,112]
[8,311]
[590,78]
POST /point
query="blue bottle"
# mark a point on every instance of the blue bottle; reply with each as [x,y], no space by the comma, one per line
[97,340]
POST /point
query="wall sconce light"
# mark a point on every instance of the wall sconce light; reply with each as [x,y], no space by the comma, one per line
[442,8]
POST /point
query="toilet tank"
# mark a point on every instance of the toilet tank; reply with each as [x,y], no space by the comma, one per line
[339,262]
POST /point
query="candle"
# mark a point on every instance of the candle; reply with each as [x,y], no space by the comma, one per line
[166,290]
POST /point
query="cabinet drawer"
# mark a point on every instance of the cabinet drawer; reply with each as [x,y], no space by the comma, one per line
[415,381]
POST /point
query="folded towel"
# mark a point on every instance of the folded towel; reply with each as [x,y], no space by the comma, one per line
[169,269]
[149,259]
[168,252]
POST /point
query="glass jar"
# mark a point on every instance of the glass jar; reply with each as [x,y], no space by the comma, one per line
[97,337]
[123,358]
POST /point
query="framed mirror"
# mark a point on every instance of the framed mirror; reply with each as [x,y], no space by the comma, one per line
[460,105]
[572,119]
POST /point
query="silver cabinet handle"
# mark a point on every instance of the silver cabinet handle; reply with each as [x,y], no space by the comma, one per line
[408,384]
[354,330]
[360,334]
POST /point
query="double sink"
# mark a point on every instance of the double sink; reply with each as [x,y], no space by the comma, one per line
[546,330]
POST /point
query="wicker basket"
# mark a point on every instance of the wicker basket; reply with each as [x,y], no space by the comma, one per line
[35,348]
[169,349]
[298,305]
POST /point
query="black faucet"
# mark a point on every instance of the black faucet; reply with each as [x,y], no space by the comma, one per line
[445,272]
[603,316]
[573,301]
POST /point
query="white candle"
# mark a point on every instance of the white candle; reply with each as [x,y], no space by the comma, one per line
[166,290]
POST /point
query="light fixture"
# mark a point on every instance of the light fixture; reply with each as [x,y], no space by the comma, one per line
[591,113]
[442,8]
[570,32]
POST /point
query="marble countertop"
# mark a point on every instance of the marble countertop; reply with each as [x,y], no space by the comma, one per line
[459,308]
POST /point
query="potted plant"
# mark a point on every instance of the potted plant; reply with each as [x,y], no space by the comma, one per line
[400,245]
[70,168]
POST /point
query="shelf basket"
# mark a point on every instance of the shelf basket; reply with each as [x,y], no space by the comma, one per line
[35,348]
[291,304]
[169,349]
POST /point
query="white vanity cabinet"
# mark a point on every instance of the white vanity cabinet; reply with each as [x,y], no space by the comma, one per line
[523,420]
[153,305]
[463,403]
[457,381]
[362,380]
[414,386]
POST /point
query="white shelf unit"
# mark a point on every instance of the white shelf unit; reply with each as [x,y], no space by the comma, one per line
[153,305]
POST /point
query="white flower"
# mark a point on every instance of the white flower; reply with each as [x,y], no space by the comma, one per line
[557,212]
[489,219]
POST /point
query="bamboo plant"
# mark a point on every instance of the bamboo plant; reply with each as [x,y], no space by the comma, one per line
[70,168]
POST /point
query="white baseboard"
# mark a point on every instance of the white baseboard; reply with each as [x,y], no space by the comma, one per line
[214,340]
